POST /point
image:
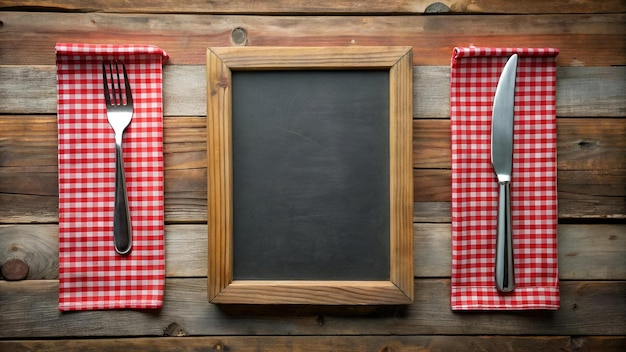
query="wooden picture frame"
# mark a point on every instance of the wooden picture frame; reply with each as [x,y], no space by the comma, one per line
[222,288]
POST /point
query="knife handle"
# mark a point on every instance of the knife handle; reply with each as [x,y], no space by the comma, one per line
[505,276]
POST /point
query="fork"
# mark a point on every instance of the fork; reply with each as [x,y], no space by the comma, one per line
[119,104]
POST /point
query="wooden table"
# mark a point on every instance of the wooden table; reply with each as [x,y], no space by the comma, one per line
[591,110]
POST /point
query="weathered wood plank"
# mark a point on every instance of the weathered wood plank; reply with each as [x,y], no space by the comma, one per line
[185,169]
[586,194]
[587,308]
[28,89]
[578,244]
[582,195]
[394,7]
[28,169]
[328,343]
[581,91]
[591,144]
[584,40]
[592,81]
[609,201]
[582,144]
[38,246]
[431,212]
[586,252]
[591,162]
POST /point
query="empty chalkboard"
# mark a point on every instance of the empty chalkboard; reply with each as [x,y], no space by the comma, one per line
[309,155]
[311,175]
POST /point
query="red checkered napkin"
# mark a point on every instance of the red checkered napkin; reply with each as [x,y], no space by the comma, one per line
[92,275]
[474,76]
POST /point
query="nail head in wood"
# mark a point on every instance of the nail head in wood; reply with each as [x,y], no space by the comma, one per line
[437,7]
[239,36]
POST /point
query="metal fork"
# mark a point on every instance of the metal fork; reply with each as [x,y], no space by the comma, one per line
[119,104]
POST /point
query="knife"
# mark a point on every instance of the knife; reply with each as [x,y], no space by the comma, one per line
[502,161]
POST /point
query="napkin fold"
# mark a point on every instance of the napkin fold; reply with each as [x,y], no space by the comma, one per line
[474,76]
[92,275]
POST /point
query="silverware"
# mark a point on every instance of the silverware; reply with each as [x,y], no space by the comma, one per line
[502,161]
[119,105]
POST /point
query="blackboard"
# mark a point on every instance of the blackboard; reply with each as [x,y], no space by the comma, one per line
[309,175]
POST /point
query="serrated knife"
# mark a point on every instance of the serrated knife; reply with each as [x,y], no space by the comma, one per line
[502,161]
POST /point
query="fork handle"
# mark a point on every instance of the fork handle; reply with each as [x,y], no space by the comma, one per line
[122,229]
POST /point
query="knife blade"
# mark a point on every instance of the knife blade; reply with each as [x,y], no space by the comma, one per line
[502,121]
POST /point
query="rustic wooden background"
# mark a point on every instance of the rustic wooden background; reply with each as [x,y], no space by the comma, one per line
[591,110]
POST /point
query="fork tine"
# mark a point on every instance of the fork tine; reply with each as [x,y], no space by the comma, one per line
[129,93]
[105,82]
[117,93]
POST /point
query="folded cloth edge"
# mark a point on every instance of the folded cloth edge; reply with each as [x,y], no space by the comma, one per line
[485,303]
[104,49]
[472,51]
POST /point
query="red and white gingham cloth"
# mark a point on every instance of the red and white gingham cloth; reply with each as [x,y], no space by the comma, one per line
[92,275]
[474,76]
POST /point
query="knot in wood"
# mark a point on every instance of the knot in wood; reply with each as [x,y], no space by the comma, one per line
[15,269]
[586,145]
[223,82]
[320,320]
[174,330]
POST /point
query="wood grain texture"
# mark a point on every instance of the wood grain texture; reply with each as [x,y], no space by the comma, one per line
[393,7]
[587,308]
[401,173]
[591,155]
[582,144]
[32,90]
[577,244]
[219,176]
[305,292]
[586,252]
[583,40]
[591,110]
[328,343]
[314,58]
